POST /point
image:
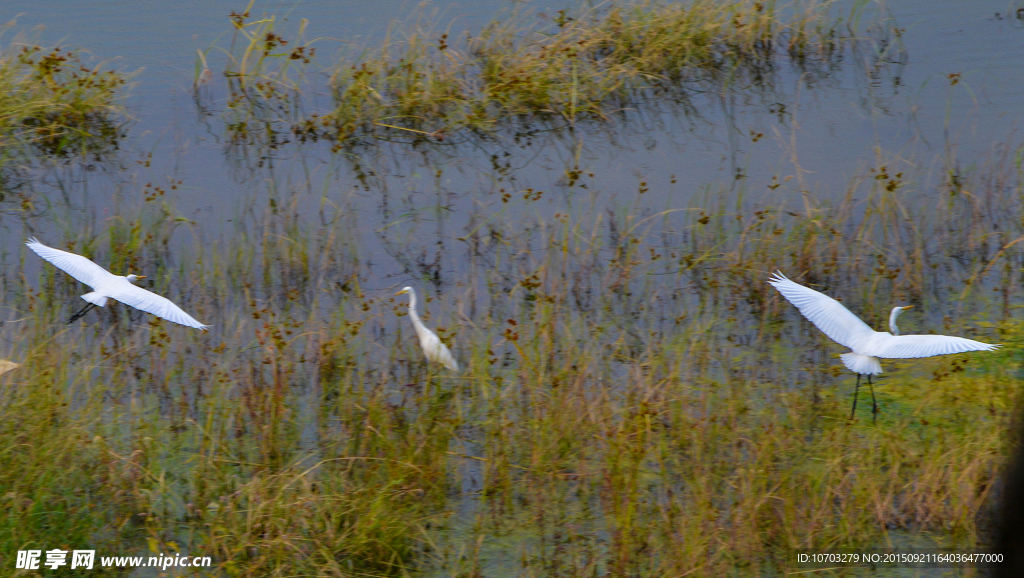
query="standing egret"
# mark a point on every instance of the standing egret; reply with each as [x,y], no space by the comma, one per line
[106,285]
[429,341]
[868,345]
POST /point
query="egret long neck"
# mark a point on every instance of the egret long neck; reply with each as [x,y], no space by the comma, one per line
[414,316]
[892,320]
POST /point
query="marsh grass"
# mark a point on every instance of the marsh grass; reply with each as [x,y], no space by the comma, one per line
[53,108]
[522,73]
[636,399]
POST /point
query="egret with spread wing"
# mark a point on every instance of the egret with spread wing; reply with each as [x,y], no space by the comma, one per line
[106,285]
[868,345]
[430,343]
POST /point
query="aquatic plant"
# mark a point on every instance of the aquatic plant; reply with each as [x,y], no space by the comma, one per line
[629,404]
[53,108]
[520,73]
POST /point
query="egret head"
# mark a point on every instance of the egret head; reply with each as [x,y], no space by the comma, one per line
[412,298]
[892,318]
[132,277]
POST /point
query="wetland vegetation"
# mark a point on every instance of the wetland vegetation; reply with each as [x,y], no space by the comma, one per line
[53,109]
[525,73]
[635,399]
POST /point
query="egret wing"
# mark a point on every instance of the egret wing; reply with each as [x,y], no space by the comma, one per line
[436,351]
[77,266]
[445,357]
[824,312]
[150,302]
[911,346]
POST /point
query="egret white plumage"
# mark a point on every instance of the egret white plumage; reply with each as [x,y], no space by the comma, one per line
[106,285]
[869,346]
[430,343]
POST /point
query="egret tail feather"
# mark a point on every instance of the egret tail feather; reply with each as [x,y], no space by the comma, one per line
[862,364]
[96,299]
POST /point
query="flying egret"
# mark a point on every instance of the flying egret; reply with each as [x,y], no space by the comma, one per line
[868,345]
[429,341]
[108,286]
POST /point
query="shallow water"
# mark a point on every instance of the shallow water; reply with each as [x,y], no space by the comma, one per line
[821,131]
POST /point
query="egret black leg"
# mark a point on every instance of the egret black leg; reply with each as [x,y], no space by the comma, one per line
[874,404]
[856,390]
[81,313]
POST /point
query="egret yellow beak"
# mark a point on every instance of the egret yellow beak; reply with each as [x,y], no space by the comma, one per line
[907,307]
[140,276]
[402,292]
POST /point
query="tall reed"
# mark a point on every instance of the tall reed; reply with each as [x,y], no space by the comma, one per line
[54,108]
[521,73]
[636,399]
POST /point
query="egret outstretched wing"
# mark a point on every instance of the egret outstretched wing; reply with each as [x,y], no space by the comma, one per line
[77,266]
[827,314]
[912,346]
[868,345]
[150,302]
[107,285]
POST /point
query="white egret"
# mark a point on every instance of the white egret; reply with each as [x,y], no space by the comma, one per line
[868,345]
[106,285]
[430,343]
